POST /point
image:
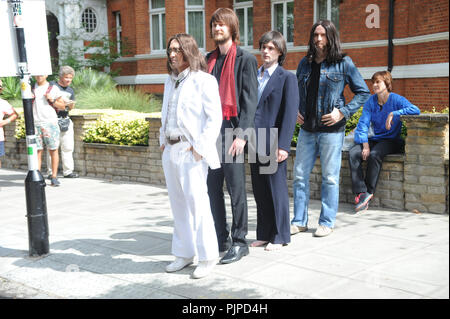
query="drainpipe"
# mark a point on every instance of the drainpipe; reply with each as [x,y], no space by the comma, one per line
[391,35]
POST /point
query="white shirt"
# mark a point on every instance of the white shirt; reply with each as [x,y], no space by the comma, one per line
[172,129]
[42,111]
[264,78]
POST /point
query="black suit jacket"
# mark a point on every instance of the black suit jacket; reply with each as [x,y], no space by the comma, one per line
[245,73]
[278,107]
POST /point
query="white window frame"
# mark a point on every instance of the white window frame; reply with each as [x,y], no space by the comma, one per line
[117,17]
[196,8]
[94,12]
[284,2]
[316,11]
[244,5]
[162,41]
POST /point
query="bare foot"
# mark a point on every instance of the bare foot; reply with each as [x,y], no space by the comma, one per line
[258,243]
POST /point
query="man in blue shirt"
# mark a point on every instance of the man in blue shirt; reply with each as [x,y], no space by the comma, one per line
[322,76]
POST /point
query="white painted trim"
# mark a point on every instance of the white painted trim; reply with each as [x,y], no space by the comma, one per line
[304,48]
[399,72]
[141,79]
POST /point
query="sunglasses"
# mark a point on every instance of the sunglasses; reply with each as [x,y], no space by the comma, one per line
[176,50]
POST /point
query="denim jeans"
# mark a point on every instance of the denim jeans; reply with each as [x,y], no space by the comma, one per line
[329,147]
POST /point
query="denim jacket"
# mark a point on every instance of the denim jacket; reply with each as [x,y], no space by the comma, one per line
[333,78]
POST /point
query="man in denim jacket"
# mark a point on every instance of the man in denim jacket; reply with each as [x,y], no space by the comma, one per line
[322,76]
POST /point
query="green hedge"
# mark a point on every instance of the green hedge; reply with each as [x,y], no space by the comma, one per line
[118,131]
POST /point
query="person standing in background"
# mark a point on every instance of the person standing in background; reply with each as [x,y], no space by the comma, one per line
[66,138]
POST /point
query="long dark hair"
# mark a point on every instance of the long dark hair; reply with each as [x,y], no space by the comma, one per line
[334,51]
[190,51]
[278,41]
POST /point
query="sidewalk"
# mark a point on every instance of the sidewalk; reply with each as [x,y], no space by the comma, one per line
[113,239]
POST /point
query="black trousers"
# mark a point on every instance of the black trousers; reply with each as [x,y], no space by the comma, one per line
[272,204]
[234,175]
[378,150]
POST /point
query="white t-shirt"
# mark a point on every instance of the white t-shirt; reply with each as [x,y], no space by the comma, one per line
[42,111]
[5,109]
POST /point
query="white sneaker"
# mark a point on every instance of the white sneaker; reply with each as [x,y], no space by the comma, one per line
[204,268]
[179,264]
[323,231]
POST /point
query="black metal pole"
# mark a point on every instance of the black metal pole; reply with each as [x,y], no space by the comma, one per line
[391,36]
[34,182]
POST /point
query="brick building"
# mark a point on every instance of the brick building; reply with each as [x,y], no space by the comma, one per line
[419,37]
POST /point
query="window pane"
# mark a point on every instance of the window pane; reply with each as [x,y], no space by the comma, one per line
[155,32]
[278,17]
[335,13]
[195,23]
[250,26]
[164,30]
[158,4]
[290,22]
[195,2]
[321,10]
[238,1]
[241,18]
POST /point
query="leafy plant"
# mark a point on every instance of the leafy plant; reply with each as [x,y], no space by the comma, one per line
[102,52]
[118,99]
[20,127]
[87,78]
[118,131]
[11,88]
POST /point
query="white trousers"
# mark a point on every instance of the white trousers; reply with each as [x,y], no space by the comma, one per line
[66,144]
[194,232]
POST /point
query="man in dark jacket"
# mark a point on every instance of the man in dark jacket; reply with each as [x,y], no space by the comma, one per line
[235,71]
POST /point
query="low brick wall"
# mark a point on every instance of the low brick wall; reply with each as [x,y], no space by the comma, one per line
[417,179]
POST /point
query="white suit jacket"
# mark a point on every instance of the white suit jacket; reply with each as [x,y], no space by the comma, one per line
[199,114]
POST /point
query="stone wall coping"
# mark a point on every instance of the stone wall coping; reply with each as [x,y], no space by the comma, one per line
[427,117]
[136,148]
[91,116]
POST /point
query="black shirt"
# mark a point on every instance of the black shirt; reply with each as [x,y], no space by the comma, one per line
[217,70]
[311,123]
[312,89]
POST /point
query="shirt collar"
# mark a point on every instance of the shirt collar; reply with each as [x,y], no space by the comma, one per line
[181,75]
[269,70]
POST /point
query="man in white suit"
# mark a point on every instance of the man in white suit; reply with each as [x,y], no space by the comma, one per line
[191,121]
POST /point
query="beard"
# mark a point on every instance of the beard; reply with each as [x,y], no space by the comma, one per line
[221,38]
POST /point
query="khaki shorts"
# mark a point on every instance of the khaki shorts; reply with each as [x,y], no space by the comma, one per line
[47,134]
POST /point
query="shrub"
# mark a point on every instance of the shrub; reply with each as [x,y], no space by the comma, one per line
[122,99]
[118,131]
[93,80]
[11,88]
[20,127]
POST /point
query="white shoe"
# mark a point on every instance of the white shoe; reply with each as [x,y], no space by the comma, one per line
[323,231]
[204,268]
[179,264]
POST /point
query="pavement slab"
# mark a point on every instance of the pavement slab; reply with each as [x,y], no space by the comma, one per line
[112,240]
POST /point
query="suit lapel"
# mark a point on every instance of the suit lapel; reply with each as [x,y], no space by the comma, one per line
[271,84]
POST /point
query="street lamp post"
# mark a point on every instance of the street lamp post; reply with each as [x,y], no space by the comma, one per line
[34,182]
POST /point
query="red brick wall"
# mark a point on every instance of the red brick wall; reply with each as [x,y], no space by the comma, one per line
[411,18]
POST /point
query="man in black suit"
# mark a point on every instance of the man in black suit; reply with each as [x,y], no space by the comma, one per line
[278,101]
[235,71]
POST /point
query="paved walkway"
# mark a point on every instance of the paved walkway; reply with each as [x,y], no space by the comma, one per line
[112,240]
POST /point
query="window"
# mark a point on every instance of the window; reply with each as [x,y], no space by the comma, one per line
[327,10]
[157,25]
[118,21]
[89,20]
[195,20]
[244,11]
[283,19]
